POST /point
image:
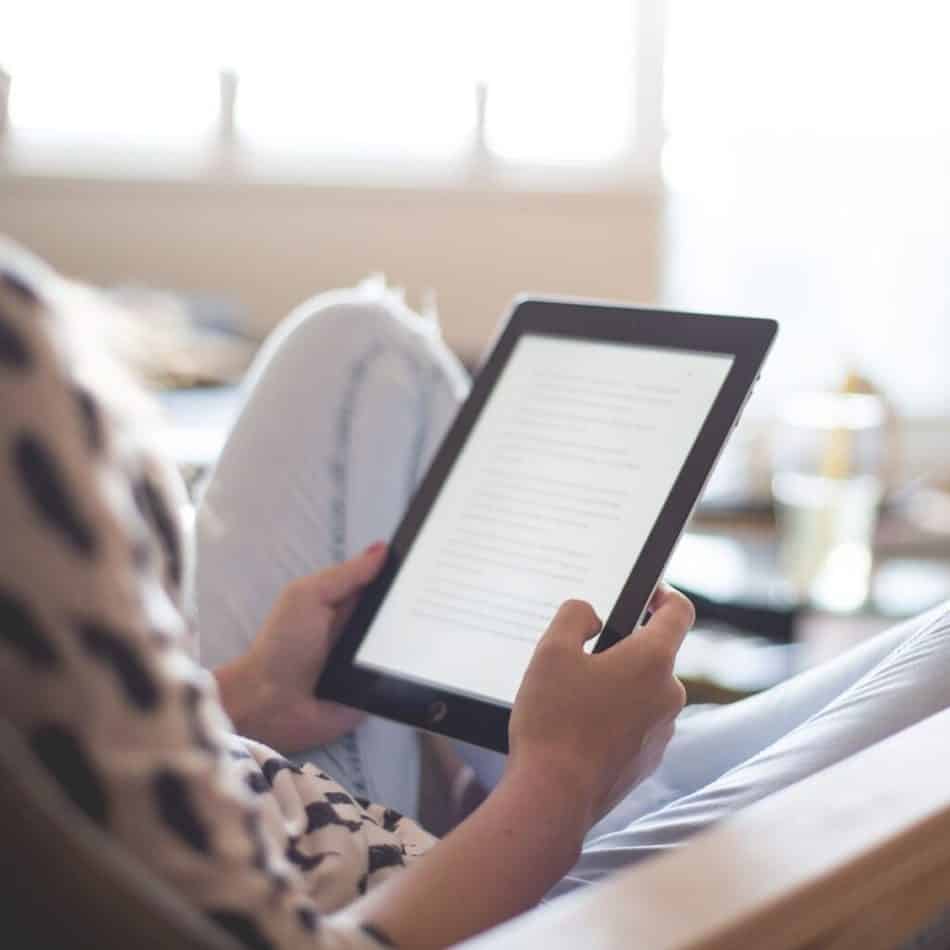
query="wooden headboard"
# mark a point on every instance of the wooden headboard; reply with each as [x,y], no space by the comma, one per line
[856,856]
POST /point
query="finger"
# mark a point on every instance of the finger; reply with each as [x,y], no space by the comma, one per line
[328,720]
[335,584]
[660,592]
[672,618]
[341,717]
[680,696]
[341,615]
[575,622]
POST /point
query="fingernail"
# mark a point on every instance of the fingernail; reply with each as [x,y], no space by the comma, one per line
[376,548]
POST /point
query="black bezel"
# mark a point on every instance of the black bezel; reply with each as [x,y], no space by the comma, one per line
[485,723]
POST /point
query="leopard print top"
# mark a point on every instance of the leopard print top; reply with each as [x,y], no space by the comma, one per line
[95,675]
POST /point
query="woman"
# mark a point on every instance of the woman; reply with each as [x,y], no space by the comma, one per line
[95,675]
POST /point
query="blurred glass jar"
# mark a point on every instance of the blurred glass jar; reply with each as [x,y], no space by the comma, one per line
[827,482]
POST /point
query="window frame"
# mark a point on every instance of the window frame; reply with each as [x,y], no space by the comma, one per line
[221,155]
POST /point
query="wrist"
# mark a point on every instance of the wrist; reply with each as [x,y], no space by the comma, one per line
[504,858]
[560,792]
[243,695]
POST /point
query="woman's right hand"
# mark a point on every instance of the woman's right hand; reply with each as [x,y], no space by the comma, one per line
[584,729]
[599,723]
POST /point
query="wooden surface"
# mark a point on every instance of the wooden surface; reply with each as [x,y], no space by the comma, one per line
[855,856]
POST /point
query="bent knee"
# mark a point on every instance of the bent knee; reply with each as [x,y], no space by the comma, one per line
[343,328]
[349,321]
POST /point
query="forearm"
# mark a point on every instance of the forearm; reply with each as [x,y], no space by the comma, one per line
[495,865]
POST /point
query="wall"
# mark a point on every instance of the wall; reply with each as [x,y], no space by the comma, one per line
[270,246]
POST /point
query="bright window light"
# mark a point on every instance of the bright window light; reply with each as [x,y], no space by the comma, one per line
[345,114]
[808,66]
[362,79]
[107,72]
[560,78]
[808,166]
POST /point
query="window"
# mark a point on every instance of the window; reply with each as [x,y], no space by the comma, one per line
[419,80]
[107,72]
[808,162]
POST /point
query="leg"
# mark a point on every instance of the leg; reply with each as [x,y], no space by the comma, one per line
[711,740]
[911,681]
[345,405]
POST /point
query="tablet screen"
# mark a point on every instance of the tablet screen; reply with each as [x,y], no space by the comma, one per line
[553,496]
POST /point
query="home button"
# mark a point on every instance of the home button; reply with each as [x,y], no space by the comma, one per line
[437,712]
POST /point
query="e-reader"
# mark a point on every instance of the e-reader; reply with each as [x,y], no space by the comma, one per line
[570,471]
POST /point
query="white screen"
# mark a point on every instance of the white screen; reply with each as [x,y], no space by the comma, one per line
[552,496]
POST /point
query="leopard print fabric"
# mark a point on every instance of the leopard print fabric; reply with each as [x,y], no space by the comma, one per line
[95,675]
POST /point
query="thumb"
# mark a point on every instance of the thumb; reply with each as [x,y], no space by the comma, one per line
[574,623]
[335,584]
[673,615]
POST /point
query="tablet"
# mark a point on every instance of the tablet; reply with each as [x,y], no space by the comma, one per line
[570,471]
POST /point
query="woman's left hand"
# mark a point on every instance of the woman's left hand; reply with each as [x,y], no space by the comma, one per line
[269,691]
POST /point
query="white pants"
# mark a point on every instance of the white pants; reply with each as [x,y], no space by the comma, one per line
[344,407]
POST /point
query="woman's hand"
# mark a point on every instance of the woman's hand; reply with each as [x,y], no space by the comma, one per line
[268,692]
[600,722]
[585,728]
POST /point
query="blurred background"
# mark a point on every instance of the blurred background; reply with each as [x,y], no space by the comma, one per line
[213,164]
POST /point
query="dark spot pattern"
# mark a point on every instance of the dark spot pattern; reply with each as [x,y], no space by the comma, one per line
[306,862]
[140,551]
[309,919]
[20,630]
[323,814]
[161,638]
[260,853]
[385,856]
[13,350]
[199,734]
[89,419]
[62,754]
[257,783]
[381,938]
[152,506]
[111,649]
[242,928]
[51,476]
[15,283]
[276,764]
[391,819]
[42,481]
[252,825]
[177,811]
